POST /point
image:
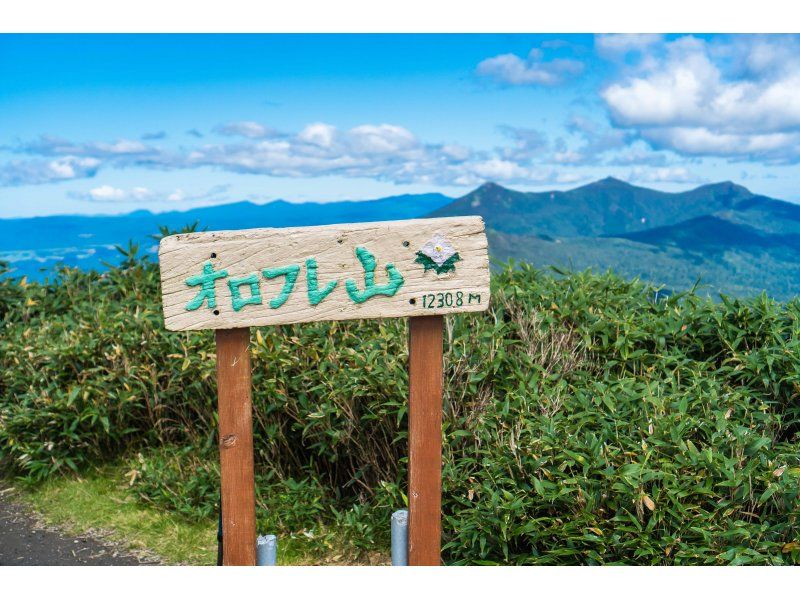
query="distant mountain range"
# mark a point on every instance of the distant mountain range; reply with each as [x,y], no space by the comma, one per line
[722,235]
[34,245]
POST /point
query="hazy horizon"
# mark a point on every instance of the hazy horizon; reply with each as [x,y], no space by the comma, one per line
[188,208]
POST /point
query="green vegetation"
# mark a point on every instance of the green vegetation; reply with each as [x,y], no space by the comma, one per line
[100,500]
[735,271]
[585,421]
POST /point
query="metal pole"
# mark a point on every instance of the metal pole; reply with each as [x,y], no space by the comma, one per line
[400,538]
[267,551]
[219,534]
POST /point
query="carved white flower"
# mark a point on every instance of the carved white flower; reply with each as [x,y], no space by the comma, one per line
[439,249]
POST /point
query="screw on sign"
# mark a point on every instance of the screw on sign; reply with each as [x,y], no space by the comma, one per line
[232,280]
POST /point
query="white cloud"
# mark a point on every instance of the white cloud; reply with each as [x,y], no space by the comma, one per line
[106,193]
[528,144]
[616,45]
[109,193]
[319,134]
[62,169]
[123,146]
[37,172]
[246,128]
[667,174]
[141,192]
[54,146]
[697,99]
[597,140]
[456,152]
[382,139]
[383,152]
[705,141]
[177,195]
[510,69]
[74,160]
[387,152]
[638,153]
[568,156]
[496,169]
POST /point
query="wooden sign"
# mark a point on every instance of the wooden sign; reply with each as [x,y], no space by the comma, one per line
[260,277]
[232,280]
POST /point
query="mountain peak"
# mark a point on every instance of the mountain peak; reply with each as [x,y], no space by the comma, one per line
[727,187]
[491,186]
[611,181]
[607,183]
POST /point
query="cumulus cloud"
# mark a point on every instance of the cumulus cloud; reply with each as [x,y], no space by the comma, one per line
[385,152]
[732,100]
[510,69]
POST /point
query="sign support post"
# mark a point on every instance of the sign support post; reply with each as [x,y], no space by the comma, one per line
[236,447]
[425,440]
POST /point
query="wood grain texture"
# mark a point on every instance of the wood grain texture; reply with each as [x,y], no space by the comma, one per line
[236,447]
[425,440]
[249,252]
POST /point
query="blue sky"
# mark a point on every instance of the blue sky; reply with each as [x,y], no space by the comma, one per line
[114,123]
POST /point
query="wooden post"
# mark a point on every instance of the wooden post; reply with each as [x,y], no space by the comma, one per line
[425,440]
[236,446]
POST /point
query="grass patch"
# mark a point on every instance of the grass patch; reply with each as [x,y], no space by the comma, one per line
[100,500]
[103,500]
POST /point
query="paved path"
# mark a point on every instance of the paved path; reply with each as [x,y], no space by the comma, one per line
[24,540]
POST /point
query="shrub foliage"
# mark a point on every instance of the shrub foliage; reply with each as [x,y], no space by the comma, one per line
[587,419]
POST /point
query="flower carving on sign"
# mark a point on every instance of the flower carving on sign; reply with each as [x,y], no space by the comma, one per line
[438,254]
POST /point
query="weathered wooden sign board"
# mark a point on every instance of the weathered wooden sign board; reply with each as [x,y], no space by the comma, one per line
[232,280]
[269,276]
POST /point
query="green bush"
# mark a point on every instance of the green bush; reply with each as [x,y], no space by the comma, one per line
[587,419]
